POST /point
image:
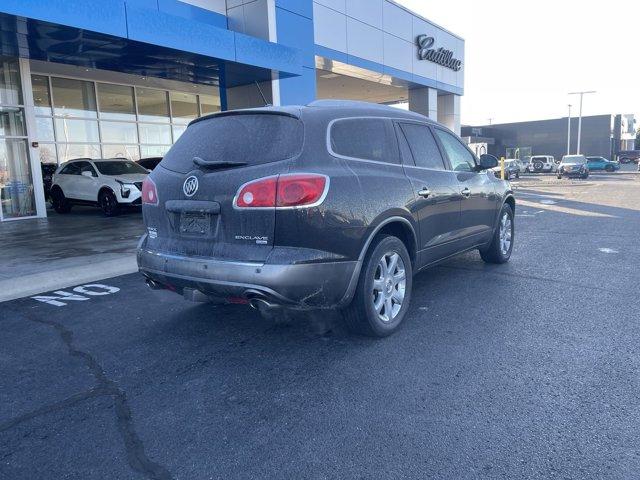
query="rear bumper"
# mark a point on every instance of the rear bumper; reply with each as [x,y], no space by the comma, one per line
[308,285]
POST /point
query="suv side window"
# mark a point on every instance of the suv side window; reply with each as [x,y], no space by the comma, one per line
[364,139]
[86,167]
[426,153]
[71,169]
[460,158]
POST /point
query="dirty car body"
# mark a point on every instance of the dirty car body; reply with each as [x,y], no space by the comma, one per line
[279,206]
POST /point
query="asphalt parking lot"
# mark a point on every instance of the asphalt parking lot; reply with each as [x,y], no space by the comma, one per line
[525,370]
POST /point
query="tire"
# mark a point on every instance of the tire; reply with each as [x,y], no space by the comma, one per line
[559,177]
[59,202]
[361,316]
[108,203]
[517,174]
[584,176]
[609,168]
[498,251]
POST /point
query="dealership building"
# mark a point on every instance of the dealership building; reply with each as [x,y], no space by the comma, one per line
[122,78]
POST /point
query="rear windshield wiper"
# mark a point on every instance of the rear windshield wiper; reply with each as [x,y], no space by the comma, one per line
[217,164]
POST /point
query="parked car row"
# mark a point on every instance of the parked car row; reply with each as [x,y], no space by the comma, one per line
[547,164]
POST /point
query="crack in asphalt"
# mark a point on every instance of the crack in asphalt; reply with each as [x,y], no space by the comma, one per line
[134,447]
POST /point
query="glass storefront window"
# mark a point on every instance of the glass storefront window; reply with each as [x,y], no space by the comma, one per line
[10,84]
[47,152]
[154,133]
[41,95]
[74,130]
[16,185]
[184,107]
[131,152]
[44,126]
[209,104]
[73,98]
[153,150]
[116,102]
[153,105]
[12,122]
[119,132]
[178,130]
[69,151]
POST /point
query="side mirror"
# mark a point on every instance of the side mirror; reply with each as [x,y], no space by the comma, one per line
[86,173]
[488,161]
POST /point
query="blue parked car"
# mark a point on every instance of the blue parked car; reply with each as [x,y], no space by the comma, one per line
[601,163]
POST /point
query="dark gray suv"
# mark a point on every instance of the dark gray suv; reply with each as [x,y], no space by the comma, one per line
[333,205]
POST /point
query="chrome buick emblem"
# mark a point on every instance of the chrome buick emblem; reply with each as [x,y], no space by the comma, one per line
[190,186]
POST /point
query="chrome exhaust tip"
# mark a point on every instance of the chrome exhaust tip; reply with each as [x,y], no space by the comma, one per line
[153,285]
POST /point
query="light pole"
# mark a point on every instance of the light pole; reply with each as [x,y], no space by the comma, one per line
[569,132]
[580,116]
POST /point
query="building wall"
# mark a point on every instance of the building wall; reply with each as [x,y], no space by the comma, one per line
[384,34]
[548,137]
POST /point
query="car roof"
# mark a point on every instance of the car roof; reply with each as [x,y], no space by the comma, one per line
[73,160]
[339,109]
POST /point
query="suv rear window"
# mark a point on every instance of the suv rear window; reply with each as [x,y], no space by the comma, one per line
[365,139]
[254,139]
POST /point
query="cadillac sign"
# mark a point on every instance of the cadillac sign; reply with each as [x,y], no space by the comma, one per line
[440,56]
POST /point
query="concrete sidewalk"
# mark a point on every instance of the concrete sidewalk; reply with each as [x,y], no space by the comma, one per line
[83,246]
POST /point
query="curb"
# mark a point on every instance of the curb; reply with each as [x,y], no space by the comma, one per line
[33,284]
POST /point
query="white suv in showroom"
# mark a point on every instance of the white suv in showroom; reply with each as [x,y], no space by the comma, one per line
[108,184]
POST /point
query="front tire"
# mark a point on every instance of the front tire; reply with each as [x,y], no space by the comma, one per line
[384,288]
[108,203]
[59,202]
[501,246]
[609,168]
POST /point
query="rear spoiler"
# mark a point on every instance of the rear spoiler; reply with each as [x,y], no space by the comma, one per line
[249,111]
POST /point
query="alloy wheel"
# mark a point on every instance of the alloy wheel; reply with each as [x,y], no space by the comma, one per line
[389,286]
[506,232]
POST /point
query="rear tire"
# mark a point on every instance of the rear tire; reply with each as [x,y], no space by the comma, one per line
[501,246]
[108,203]
[383,293]
[59,202]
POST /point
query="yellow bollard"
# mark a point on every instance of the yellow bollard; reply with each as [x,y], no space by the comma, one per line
[502,168]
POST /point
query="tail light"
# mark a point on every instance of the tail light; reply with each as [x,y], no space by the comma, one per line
[149,192]
[284,191]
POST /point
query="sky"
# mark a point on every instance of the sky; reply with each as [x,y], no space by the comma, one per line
[522,58]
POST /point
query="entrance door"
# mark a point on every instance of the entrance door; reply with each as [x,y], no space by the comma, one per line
[17,198]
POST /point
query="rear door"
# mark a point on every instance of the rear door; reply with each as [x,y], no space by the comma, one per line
[479,199]
[199,177]
[437,202]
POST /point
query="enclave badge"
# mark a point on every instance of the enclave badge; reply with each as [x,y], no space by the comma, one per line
[190,186]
